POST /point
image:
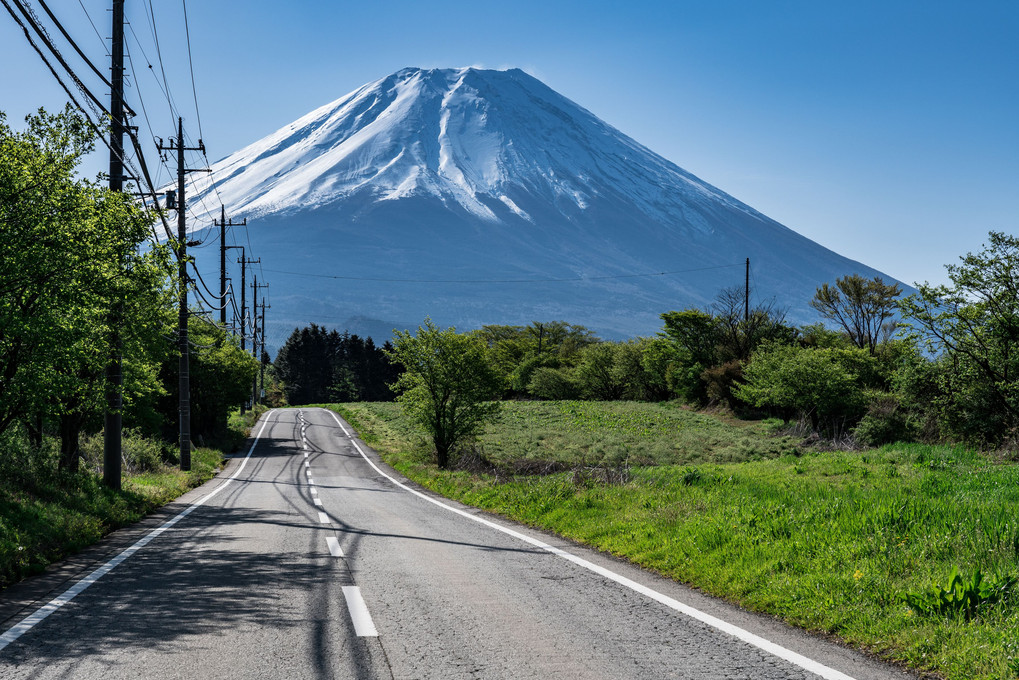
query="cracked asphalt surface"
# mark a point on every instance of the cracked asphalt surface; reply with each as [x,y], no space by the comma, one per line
[246,586]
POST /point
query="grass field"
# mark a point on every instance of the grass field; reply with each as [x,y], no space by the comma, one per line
[839,542]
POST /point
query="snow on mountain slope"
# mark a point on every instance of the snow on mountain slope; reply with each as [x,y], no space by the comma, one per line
[486,197]
[454,135]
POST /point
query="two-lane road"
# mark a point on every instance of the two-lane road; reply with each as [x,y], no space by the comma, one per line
[311,559]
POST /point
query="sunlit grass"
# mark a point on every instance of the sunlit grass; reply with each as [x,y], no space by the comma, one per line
[827,541]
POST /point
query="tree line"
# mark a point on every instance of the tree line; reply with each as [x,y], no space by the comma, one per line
[80,279]
[316,366]
[939,365]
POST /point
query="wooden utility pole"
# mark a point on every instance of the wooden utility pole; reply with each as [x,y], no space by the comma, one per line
[113,425]
[223,247]
[746,295]
[179,146]
[261,364]
[254,335]
[243,321]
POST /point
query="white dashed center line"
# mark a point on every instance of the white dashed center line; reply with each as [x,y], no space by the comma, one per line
[363,624]
[323,518]
[318,501]
[334,547]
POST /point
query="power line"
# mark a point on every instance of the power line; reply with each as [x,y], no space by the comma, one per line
[151,12]
[73,44]
[44,36]
[475,281]
[187,33]
[89,17]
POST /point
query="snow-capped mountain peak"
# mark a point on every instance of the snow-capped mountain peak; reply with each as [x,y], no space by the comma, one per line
[469,137]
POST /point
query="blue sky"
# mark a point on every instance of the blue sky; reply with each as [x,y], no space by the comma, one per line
[886,131]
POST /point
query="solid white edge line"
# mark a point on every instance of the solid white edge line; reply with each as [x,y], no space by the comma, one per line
[323,518]
[334,547]
[363,624]
[772,648]
[30,621]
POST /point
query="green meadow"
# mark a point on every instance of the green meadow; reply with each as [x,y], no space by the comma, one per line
[909,551]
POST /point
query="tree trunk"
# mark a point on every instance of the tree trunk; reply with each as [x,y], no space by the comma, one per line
[33,424]
[70,429]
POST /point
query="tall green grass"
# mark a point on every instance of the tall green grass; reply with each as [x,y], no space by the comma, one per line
[832,542]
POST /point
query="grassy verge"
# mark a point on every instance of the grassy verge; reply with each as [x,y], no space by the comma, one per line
[834,542]
[46,515]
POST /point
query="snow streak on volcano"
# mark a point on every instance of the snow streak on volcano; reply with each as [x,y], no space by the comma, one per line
[477,197]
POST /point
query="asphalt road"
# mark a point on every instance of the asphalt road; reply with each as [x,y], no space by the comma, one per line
[312,559]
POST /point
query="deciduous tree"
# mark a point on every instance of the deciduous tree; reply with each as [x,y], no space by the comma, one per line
[447,384]
[860,306]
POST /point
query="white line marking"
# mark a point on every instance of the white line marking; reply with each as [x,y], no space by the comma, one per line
[305,454]
[30,621]
[334,547]
[746,636]
[314,492]
[318,501]
[307,473]
[307,464]
[311,482]
[363,624]
[323,518]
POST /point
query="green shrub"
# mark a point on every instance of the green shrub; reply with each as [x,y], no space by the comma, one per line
[553,384]
[814,383]
[885,421]
[720,382]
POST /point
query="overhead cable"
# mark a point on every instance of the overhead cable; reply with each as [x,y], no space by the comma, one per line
[475,281]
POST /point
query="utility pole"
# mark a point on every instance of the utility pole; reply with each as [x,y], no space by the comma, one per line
[254,335]
[244,310]
[243,323]
[223,247]
[261,364]
[113,426]
[178,145]
[746,295]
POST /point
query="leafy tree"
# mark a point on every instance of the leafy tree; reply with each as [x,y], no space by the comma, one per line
[860,306]
[972,326]
[518,351]
[553,383]
[447,384]
[599,374]
[813,383]
[68,256]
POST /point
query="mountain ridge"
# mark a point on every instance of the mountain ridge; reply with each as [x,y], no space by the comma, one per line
[475,175]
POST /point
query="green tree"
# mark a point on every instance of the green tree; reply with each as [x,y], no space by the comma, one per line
[447,384]
[68,256]
[972,327]
[600,373]
[817,384]
[860,306]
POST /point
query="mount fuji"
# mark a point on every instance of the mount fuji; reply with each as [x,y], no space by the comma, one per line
[479,197]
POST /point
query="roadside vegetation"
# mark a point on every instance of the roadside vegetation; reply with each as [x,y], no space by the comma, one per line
[47,513]
[859,544]
[80,281]
[856,478]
